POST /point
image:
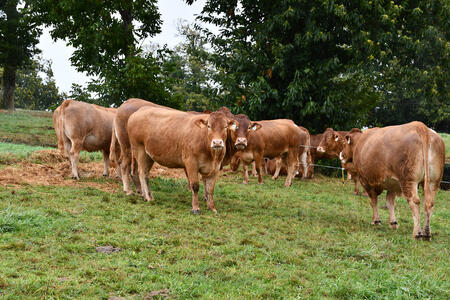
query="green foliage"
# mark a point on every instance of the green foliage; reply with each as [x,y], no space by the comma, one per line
[190,70]
[106,36]
[19,35]
[325,63]
[34,92]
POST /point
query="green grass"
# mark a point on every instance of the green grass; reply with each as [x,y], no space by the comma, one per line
[446,138]
[13,153]
[312,240]
[27,127]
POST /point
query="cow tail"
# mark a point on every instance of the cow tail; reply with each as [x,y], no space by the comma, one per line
[61,122]
[112,148]
[305,154]
[426,154]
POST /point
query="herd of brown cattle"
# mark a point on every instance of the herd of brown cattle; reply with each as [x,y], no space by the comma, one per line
[138,133]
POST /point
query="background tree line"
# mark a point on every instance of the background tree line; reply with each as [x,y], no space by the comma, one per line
[340,64]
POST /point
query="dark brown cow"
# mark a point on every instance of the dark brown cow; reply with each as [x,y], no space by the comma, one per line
[178,139]
[398,159]
[276,138]
[120,128]
[85,126]
[331,144]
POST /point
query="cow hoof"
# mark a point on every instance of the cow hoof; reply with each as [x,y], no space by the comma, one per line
[245,182]
[418,236]
[356,193]
[118,177]
[426,238]
[260,182]
[76,177]
[195,211]
[274,178]
[376,222]
[384,207]
[393,225]
[105,175]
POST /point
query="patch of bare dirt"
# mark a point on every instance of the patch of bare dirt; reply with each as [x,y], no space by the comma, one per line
[56,170]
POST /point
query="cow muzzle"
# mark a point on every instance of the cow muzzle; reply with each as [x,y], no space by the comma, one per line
[217,144]
[241,143]
[320,149]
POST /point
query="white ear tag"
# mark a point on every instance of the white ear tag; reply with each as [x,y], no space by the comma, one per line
[233,126]
[348,142]
[254,127]
[336,139]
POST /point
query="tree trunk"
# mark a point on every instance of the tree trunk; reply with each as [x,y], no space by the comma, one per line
[9,85]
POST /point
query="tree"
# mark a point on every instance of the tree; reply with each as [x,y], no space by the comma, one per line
[106,36]
[318,63]
[190,71]
[19,34]
[36,87]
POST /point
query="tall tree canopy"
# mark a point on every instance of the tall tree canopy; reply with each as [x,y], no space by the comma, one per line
[325,62]
[106,35]
[19,35]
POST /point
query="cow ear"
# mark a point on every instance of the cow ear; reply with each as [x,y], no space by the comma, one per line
[201,123]
[233,125]
[255,126]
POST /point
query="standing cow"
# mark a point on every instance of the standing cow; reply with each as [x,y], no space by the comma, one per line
[121,135]
[398,159]
[272,139]
[331,144]
[178,139]
[84,126]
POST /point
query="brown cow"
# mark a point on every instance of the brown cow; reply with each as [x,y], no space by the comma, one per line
[331,144]
[85,126]
[178,139]
[57,126]
[276,138]
[121,134]
[398,159]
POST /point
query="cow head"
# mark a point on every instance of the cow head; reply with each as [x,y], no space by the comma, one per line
[239,134]
[331,143]
[217,124]
[351,138]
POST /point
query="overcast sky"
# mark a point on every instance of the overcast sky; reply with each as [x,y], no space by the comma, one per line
[171,11]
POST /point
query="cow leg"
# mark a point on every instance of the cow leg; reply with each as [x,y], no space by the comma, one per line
[429,205]
[118,172]
[409,189]
[125,170]
[188,183]
[278,161]
[355,180]
[254,173]
[105,163]
[135,176]
[390,202]
[258,166]
[192,174]
[292,163]
[245,167]
[304,162]
[145,163]
[74,157]
[209,183]
[374,204]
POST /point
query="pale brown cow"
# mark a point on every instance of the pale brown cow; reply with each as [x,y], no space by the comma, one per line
[398,159]
[85,126]
[178,139]
[57,126]
[121,134]
[331,144]
[272,139]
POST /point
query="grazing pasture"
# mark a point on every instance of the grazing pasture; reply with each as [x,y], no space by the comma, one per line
[312,240]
